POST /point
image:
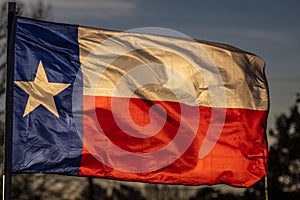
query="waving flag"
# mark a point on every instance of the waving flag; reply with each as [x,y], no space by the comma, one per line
[136,106]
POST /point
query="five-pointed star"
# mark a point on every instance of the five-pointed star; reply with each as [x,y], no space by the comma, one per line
[41,92]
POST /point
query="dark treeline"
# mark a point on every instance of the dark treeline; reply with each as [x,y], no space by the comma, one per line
[284,159]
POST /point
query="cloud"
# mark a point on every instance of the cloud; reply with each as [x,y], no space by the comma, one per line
[277,36]
[104,9]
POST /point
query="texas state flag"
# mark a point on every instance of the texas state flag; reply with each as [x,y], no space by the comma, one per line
[135,106]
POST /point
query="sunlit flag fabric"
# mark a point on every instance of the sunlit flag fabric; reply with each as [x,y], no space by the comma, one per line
[136,106]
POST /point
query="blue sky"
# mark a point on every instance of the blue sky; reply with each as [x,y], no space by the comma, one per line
[270,29]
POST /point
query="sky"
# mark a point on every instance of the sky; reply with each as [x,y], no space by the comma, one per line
[269,29]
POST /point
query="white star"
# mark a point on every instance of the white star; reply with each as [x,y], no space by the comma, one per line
[41,92]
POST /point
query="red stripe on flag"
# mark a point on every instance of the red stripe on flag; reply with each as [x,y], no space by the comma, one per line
[238,158]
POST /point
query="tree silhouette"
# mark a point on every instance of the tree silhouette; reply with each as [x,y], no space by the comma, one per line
[284,167]
[284,158]
[284,155]
[39,10]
